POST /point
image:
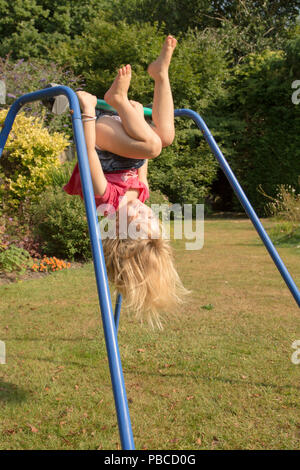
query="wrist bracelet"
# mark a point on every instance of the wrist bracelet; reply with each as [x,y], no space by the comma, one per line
[89,119]
[88,115]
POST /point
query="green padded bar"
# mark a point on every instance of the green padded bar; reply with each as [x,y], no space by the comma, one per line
[101,104]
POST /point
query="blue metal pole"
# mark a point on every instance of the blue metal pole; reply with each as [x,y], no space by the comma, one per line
[98,257]
[243,199]
[118,310]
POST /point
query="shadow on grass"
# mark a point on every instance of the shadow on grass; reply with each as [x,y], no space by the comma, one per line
[12,393]
[210,379]
[52,338]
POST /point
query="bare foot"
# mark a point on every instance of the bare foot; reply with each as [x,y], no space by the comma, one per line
[119,88]
[160,66]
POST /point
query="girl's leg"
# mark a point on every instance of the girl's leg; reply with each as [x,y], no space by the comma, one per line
[133,137]
[163,107]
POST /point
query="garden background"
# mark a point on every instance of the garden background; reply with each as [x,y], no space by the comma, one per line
[235,64]
[220,376]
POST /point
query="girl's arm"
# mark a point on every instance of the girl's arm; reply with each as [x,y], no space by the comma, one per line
[88,104]
[142,173]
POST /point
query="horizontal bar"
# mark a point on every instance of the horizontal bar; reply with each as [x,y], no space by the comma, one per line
[101,104]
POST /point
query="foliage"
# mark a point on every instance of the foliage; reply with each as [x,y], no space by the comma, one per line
[285,208]
[285,233]
[59,176]
[197,71]
[119,44]
[156,197]
[25,76]
[178,15]
[185,171]
[30,28]
[29,154]
[259,124]
[15,259]
[35,27]
[15,231]
[60,225]
[234,65]
[244,25]
[286,205]
[174,16]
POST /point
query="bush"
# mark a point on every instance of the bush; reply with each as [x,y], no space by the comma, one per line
[30,153]
[59,176]
[259,124]
[156,197]
[285,208]
[60,224]
[197,70]
[286,205]
[26,76]
[13,231]
[185,171]
[15,259]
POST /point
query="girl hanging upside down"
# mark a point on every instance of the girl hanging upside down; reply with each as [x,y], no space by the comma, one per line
[119,147]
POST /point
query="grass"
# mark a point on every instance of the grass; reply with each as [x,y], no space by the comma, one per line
[285,233]
[219,376]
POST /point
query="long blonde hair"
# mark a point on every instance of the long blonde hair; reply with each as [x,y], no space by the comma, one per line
[143,272]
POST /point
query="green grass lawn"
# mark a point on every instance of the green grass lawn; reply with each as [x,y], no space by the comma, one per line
[219,376]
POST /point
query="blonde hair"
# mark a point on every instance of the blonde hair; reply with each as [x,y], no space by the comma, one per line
[143,272]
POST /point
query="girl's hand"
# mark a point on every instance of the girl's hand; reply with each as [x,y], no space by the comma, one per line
[87,102]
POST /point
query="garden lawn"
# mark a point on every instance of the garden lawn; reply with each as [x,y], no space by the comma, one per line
[219,376]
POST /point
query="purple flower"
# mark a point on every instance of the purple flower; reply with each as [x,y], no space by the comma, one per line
[10,95]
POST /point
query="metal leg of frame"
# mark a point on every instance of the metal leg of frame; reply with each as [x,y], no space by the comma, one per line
[109,327]
[243,199]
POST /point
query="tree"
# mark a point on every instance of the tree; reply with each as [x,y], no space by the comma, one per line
[259,124]
[30,28]
[244,26]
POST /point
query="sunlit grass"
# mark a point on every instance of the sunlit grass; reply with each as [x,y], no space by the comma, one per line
[219,376]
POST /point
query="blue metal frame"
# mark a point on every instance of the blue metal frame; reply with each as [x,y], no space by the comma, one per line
[98,257]
[118,310]
[243,200]
[110,321]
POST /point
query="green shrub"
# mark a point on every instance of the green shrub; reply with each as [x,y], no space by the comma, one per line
[197,70]
[29,154]
[60,224]
[286,205]
[185,171]
[15,259]
[156,197]
[285,208]
[259,123]
[17,232]
[25,76]
[59,176]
